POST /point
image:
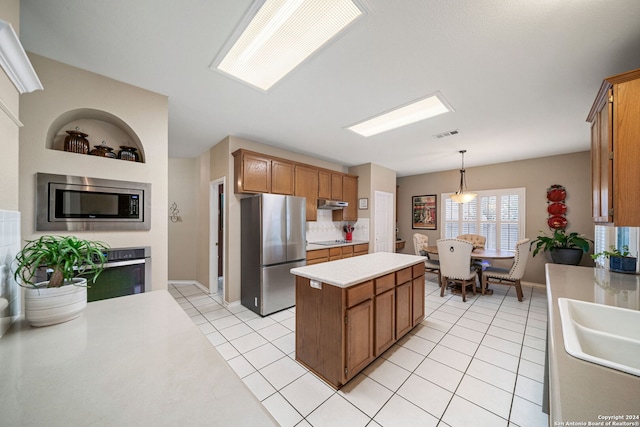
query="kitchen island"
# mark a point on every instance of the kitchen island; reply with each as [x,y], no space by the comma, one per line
[581,391]
[131,361]
[349,311]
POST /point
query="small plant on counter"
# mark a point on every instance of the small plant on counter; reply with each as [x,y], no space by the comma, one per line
[612,252]
[67,257]
[619,260]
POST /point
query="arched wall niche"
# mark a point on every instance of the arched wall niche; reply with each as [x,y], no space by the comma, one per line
[99,125]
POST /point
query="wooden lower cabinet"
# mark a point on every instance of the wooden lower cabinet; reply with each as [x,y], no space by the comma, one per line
[358,338]
[317,256]
[385,307]
[417,304]
[360,249]
[335,253]
[339,331]
[404,318]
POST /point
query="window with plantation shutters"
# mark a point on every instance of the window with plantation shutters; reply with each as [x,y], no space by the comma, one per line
[496,214]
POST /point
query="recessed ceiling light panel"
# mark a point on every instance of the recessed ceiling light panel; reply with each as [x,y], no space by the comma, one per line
[277,35]
[422,109]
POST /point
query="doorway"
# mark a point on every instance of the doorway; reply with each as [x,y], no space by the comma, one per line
[217,224]
[384,230]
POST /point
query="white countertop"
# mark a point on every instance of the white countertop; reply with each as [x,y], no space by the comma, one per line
[312,247]
[350,271]
[581,391]
[130,361]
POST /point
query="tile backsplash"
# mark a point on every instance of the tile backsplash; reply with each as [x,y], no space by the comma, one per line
[327,229]
[9,247]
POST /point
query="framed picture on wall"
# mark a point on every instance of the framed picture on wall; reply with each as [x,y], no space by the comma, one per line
[424,212]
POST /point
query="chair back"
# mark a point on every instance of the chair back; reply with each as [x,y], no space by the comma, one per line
[477,240]
[455,258]
[520,260]
[420,242]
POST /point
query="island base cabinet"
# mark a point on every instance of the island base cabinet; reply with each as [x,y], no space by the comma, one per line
[339,331]
[358,338]
[319,330]
[403,309]
[385,321]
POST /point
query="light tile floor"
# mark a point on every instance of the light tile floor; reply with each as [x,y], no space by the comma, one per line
[479,363]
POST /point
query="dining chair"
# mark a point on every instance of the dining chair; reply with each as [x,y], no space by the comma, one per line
[455,260]
[510,276]
[420,243]
[479,241]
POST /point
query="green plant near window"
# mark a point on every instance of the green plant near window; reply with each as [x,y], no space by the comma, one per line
[613,252]
[560,240]
[67,256]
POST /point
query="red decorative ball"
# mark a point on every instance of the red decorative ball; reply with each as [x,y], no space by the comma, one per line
[557,222]
[557,208]
[557,194]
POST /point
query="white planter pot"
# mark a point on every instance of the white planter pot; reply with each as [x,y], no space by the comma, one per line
[49,306]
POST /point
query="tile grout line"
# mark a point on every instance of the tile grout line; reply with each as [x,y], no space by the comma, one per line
[448,331]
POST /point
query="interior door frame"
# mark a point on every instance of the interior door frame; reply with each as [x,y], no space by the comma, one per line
[214,245]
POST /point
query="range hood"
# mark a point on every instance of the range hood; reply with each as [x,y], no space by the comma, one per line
[331,204]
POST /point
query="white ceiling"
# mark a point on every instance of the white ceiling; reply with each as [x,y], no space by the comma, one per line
[520,74]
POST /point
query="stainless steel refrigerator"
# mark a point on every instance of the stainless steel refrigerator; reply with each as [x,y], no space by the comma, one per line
[273,241]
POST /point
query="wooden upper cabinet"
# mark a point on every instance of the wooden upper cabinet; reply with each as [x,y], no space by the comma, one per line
[350,195]
[615,152]
[282,177]
[330,185]
[252,172]
[336,186]
[306,185]
[260,173]
[324,184]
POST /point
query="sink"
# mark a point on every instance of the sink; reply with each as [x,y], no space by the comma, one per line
[602,334]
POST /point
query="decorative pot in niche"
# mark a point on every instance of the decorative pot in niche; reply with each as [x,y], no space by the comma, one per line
[128,153]
[103,151]
[76,142]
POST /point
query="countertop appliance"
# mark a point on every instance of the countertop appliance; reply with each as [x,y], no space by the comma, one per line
[74,203]
[273,241]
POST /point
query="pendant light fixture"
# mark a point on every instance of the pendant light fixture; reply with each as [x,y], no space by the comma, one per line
[463,195]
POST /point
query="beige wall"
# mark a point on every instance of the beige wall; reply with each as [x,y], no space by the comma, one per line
[372,178]
[215,164]
[68,88]
[9,97]
[536,175]
[183,191]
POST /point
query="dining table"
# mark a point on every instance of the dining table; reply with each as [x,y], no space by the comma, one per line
[480,254]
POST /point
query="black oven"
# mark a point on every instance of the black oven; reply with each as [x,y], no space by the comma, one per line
[127,272]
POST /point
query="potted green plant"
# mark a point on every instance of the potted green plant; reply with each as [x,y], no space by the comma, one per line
[564,248]
[619,260]
[64,296]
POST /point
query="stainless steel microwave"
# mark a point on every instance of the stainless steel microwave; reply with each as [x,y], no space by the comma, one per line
[73,203]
